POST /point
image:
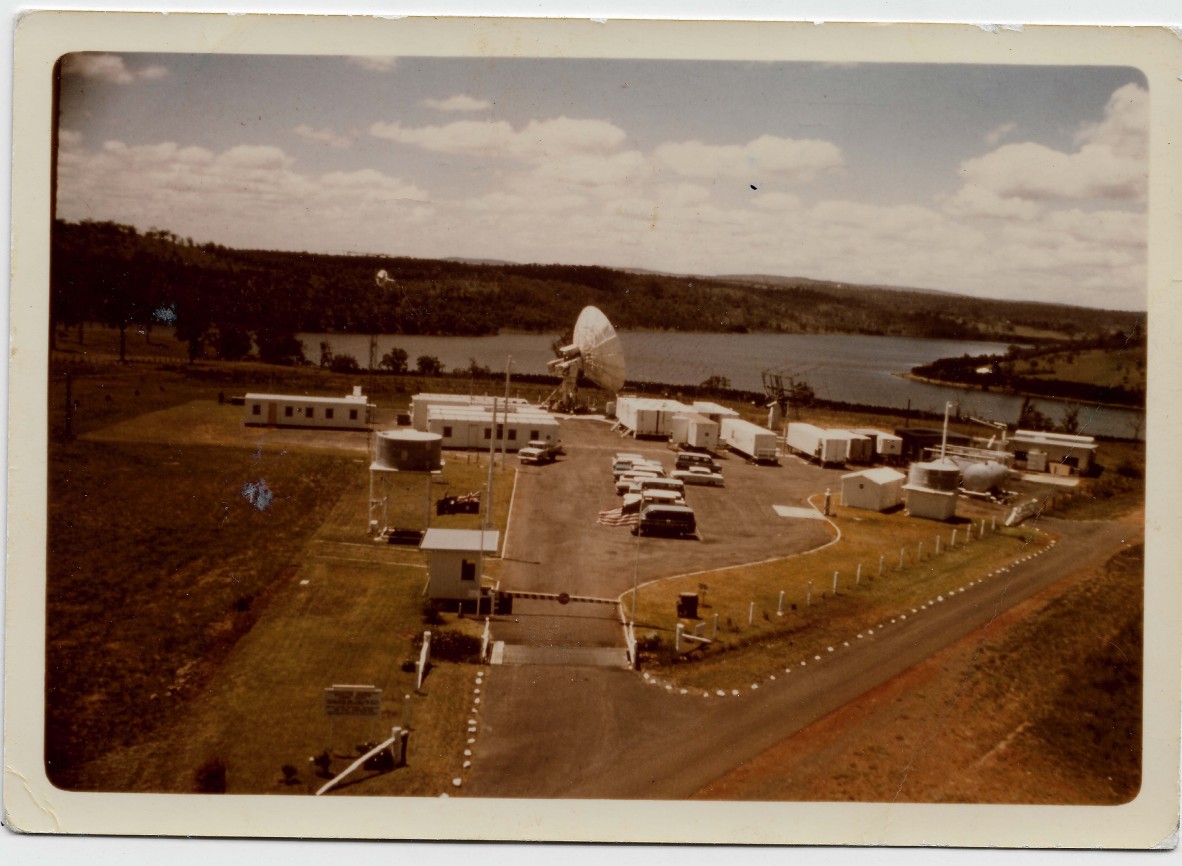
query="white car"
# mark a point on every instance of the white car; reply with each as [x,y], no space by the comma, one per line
[698,475]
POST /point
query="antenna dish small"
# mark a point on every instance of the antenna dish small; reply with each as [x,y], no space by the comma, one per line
[383,279]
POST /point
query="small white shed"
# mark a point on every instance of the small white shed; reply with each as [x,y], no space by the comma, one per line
[454,560]
[694,430]
[872,489]
[929,503]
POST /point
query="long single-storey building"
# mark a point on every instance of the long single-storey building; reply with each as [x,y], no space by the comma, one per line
[1061,453]
[465,426]
[350,412]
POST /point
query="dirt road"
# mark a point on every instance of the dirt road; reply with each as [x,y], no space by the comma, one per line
[555,731]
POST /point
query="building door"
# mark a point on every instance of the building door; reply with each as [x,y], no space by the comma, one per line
[272,413]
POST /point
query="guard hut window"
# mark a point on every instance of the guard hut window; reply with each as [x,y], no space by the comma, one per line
[287,412]
[310,412]
[467,570]
[328,413]
[256,409]
[487,432]
[446,432]
[512,435]
[352,414]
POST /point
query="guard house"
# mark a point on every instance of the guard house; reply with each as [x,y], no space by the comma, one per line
[350,412]
[873,489]
[454,561]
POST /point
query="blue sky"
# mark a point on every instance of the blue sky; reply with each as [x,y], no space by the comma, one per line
[998,181]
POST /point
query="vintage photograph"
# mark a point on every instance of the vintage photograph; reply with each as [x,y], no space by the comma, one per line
[528,425]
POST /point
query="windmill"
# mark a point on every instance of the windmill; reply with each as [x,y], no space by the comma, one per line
[594,352]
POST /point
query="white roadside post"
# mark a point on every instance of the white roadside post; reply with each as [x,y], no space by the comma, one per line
[677,637]
[881,559]
[919,557]
[937,545]
[902,552]
[406,712]
[953,542]
[780,604]
[808,598]
[751,613]
[714,628]
[858,576]
[835,582]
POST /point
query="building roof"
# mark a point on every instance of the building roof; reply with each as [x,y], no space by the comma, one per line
[303,398]
[879,475]
[460,540]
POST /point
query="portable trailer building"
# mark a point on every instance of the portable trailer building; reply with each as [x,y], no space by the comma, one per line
[750,440]
[713,411]
[873,489]
[472,427]
[859,448]
[887,446]
[421,405]
[350,412]
[694,431]
[916,439]
[1035,448]
[646,416]
[454,560]
[816,443]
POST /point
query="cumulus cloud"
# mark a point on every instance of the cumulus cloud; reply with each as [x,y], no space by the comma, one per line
[459,102]
[1110,163]
[996,135]
[324,136]
[244,195]
[537,140]
[766,156]
[111,68]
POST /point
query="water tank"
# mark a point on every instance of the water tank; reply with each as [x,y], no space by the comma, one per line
[409,451]
[941,475]
[982,477]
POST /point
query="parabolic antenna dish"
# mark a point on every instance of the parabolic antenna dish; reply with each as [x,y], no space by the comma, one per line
[599,346]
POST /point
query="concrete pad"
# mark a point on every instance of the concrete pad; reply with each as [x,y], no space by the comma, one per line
[802,513]
[579,656]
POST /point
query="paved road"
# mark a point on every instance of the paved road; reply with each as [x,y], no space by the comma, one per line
[553,731]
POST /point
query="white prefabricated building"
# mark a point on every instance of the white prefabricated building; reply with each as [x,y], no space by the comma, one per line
[886,445]
[421,405]
[350,412]
[454,561]
[1036,451]
[694,431]
[463,426]
[713,411]
[930,504]
[648,416]
[816,443]
[859,447]
[749,439]
[873,489]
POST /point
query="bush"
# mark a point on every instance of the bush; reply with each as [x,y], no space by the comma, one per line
[452,646]
[210,777]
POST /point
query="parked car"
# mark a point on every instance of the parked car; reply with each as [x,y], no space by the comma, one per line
[660,519]
[624,482]
[698,475]
[690,459]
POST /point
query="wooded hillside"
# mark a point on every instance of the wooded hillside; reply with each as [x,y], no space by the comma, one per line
[224,299]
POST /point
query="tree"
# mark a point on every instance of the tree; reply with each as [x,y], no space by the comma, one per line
[395,361]
[1070,422]
[1029,418]
[344,364]
[428,365]
[716,383]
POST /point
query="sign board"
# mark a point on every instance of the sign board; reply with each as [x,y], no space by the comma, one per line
[353,701]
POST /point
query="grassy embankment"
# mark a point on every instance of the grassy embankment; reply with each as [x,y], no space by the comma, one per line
[1035,708]
[180,628]
[750,648]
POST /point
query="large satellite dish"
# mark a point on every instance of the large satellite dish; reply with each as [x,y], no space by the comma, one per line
[383,279]
[595,353]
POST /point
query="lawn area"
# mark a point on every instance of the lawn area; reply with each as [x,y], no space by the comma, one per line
[1108,368]
[739,653]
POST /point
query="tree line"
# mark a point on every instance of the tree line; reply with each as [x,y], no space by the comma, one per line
[231,303]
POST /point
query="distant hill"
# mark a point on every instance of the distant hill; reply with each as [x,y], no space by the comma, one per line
[229,299]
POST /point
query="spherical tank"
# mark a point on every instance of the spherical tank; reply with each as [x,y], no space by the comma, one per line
[409,451]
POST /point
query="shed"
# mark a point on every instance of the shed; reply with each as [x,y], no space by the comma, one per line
[1035,450]
[694,431]
[872,489]
[931,504]
[454,561]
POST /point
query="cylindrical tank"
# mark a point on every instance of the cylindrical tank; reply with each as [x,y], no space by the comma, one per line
[935,475]
[409,451]
[982,477]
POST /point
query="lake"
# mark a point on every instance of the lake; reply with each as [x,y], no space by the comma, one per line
[842,367]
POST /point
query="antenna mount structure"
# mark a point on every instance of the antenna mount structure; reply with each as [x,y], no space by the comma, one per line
[594,352]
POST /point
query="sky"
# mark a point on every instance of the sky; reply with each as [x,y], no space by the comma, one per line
[995,181]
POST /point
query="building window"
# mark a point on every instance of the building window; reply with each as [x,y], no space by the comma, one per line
[256,409]
[467,570]
[487,432]
[286,411]
[446,432]
[533,434]
[512,435]
[352,414]
[328,414]
[310,412]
